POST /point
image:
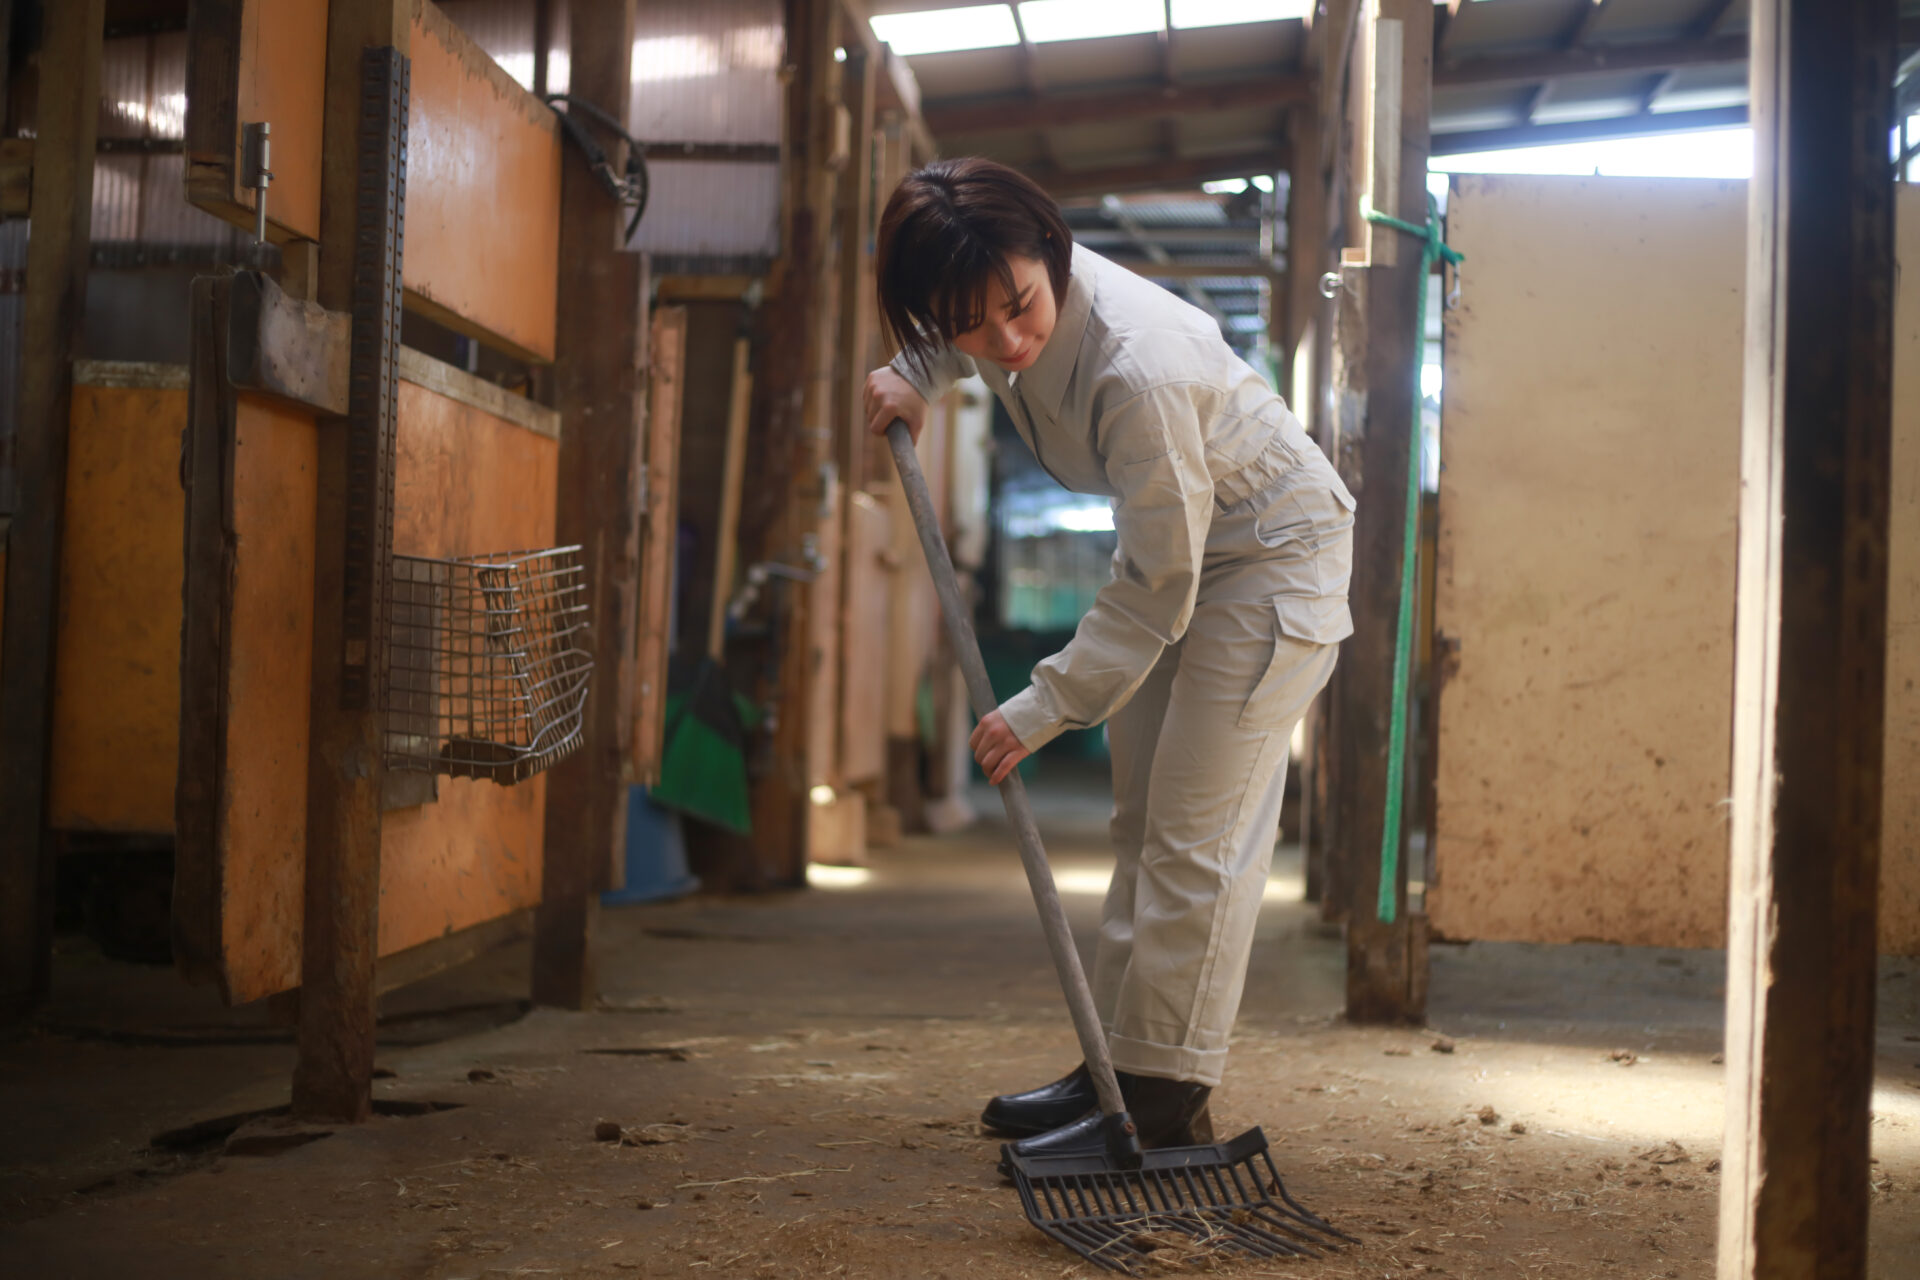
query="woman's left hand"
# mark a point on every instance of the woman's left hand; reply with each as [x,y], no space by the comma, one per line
[995,747]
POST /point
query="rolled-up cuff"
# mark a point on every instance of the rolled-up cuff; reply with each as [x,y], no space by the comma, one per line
[1169,1062]
[1031,719]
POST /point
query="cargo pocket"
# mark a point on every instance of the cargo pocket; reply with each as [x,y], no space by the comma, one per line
[1302,624]
[1314,619]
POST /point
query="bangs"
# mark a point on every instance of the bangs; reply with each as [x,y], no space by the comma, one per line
[961,307]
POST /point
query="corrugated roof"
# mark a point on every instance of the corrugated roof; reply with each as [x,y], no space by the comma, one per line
[1500,65]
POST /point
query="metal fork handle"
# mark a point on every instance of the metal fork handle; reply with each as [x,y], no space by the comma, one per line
[1033,856]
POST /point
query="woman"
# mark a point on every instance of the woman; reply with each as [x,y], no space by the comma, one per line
[1228,597]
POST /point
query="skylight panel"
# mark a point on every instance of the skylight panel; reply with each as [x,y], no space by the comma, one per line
[1047,20]
[1221,13]
[979,26]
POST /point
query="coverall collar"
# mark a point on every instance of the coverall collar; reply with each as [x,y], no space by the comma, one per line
[1045,384]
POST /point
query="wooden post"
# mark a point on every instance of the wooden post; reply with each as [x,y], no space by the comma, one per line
[1810,643]
[333,1077]
[1386,963]
[659,540]
[1307,255]
[796,391]
[57,260]
[854,348]
[601,384]
[1300,311]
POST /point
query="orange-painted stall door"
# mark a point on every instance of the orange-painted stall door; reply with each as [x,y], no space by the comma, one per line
[475,474]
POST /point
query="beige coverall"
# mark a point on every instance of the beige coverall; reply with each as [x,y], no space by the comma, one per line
[1229,595]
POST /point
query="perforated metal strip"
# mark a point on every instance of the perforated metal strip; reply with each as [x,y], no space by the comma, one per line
[379,235]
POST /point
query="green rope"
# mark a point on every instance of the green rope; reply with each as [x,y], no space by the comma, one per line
[1432,247]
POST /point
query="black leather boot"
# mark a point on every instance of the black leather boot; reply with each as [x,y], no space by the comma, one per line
[1039,1110]
[1168,1113]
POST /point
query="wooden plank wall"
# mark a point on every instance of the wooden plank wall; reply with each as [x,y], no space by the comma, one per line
[282,82]
[1587,521]
[465,109]
[253,60]
[116,691]
[466,481]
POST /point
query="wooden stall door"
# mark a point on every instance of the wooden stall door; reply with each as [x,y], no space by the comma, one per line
[475,472]
[116,689]
[1586,565]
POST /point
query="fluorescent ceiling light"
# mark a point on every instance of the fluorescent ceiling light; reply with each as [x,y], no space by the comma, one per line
[1047,20]
[1235,186]
[1221,13]
[980,26]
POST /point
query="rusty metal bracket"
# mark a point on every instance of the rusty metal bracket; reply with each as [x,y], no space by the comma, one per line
[372,395]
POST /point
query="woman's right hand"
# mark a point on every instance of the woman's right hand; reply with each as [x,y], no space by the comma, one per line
[888,396]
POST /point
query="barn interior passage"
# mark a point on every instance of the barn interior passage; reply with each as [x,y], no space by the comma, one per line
[485,788]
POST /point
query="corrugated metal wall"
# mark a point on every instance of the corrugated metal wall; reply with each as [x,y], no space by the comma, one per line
[708,71]
[148,242]
[140,211]
[704,72]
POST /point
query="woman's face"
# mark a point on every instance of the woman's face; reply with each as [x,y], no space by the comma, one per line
[1014,329]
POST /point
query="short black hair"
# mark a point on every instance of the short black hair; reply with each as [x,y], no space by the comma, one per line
[948,229]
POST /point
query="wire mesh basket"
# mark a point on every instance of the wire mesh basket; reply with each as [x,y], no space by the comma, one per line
[487,663]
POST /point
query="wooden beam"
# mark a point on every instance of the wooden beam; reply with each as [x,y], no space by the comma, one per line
[1386,962]
[790,508]
[1241,269]
[1709,22]
[333,1076]
[1664,55]
[16,177]
[1810,625]
[1153,175]
[1582,25]
[1307,256]
[854,350]
[456,384]
[58,253]
[1635,126]
[1536,99]
[659,540]
[1444,16]
[1561,64]
[1657,86]
[599,380]
[1036,88]
[1030,111]
[6,78]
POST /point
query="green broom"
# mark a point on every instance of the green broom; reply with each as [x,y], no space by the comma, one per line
[703,766]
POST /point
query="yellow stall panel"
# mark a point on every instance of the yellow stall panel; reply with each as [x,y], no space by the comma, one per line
[116,690]
[475,472]
[466,482]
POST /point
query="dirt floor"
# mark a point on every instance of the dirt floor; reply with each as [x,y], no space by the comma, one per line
[787,1087]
